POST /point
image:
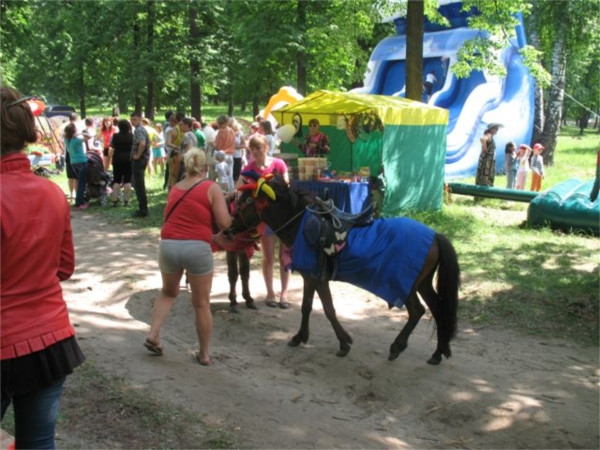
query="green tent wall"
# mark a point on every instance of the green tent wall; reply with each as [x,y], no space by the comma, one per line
[411,149]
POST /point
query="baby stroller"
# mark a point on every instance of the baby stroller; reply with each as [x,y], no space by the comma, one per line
[98,179]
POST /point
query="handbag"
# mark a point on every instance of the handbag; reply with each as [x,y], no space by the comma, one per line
[180,200]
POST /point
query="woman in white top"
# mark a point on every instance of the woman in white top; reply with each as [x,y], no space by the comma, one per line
[265,128]
[240,149]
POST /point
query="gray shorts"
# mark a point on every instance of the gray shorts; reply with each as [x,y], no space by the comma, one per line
[193,256]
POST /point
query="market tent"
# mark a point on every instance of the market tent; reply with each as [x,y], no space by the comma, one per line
[405,138]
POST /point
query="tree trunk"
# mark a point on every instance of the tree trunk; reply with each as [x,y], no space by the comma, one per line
[150,19]
[255,103]
[195,88]
[414,50]
[137,90]
[81,86]
[538,121]
[301,56]
[555,98]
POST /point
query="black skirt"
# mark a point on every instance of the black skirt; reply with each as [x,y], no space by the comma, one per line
[40,369]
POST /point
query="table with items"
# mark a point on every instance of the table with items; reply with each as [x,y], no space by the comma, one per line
[351,197]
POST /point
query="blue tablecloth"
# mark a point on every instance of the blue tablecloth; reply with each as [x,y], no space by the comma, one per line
[349,197]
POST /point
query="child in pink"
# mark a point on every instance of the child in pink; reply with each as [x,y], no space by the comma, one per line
[522,163]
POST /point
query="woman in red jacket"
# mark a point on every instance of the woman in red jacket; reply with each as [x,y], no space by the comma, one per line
[38,347]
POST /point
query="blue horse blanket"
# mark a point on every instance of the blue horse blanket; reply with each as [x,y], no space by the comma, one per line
[383,258]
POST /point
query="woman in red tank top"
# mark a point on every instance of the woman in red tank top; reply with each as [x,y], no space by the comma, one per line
[194,204]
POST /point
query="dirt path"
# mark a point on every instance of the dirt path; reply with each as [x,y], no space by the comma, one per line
[499,390]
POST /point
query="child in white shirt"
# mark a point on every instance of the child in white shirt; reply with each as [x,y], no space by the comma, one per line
[222,171]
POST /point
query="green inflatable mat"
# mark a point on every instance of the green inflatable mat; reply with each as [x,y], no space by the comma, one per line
[566,206]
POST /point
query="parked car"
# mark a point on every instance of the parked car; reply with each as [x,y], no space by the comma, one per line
[58,110]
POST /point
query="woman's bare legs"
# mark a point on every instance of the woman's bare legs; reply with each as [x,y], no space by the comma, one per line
[163,304]
[116,188]
[72,183]
[127,191]
[268,260]
[201,286]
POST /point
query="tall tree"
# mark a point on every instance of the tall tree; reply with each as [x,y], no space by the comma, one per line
[569,31]
[414,54]
[150,71]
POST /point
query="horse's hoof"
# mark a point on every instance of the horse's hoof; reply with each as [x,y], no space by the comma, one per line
[344,350]
[296,341]
[233,309]
[434,360]
[342,353]
[395,350]
[251,305]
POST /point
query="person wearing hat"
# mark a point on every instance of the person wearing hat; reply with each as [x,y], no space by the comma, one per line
[537,168]
[486,168]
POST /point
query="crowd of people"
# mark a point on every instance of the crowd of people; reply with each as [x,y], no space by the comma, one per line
[39,349]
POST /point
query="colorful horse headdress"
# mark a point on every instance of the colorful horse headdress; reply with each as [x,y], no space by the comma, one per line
[260,185]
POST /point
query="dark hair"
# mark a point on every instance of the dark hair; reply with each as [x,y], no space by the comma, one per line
[136,114]
[17,122]
[189,122]
[73,117]
[124,126]
[168,114]
[89,121]
[70,131]
[180,115]
[266,125]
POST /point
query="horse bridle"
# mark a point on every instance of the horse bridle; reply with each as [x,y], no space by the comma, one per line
[250,200]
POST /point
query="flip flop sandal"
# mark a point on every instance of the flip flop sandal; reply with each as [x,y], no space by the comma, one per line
[157,349]
[272,303]
[284,304]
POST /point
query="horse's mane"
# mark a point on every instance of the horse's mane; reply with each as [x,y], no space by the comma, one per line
[295,195]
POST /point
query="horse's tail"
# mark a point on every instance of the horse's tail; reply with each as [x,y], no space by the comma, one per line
[448,283]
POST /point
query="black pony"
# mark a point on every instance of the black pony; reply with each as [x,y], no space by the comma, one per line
[396,278]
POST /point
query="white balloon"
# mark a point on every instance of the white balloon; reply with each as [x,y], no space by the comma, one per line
[286,133]
[209,134]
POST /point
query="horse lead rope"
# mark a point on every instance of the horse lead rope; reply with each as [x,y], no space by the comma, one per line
[289,221]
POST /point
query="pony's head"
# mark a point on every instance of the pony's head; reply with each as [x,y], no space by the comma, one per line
[268,199]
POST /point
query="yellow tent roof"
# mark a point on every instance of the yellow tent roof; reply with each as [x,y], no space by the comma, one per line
[328,106]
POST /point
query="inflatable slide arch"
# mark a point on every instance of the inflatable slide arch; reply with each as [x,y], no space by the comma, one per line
[473,102]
